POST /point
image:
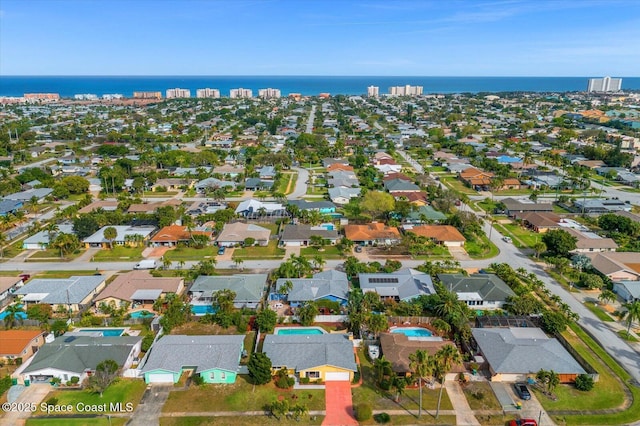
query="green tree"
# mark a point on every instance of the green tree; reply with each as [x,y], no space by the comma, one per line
[591,281]
[85,225]
[3,240]
[446,357]
[553,322]
[307,313]
[223,300]
[279,408]
[607,296]
[285,287]
[559,242]
[377,203]
[266,320]
[421,366]
[632,313]
[539,248]
[13,315]
[377,323]
[382,368]
[39,312]
[259,368]
[110,234]
[584,382]
[106,372]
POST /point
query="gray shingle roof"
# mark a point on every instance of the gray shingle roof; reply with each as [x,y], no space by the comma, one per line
[62,290]
[174,352]
[524,351]
[323,284]
[304,232]
[488,286]
[405,284]
[79,353]
[301,352]
[248,287]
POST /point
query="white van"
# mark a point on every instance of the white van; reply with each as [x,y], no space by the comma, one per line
[146,264]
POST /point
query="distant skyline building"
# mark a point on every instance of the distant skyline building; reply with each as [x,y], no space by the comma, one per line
[42,96]
[269,93]
[373,91]
[178,93]
[147,95]
[605,84]
[406,90]
[111,96]
[85,97]
[208,93]
[241,93]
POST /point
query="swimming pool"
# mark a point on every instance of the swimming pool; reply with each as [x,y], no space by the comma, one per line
[142,314]
[298,330]
[106,332]
[202,309]
[412,331]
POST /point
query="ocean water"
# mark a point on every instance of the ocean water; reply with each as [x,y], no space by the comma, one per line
[67,86]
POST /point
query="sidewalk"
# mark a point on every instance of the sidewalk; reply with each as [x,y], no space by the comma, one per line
[464,414]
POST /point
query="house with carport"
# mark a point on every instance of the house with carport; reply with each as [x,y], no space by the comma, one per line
[301,235]
[8,285]
[124,235]
[318,357]
[478,291]
[445,235]
[405,284]
[617,266]
[215,358]
[329,285]
[72,294]
[234,234]
[139,288]
[249,289]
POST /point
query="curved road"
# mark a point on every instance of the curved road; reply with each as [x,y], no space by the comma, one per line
[301,184]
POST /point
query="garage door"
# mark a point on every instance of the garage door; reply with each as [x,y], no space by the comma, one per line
[160,378]
[294,244]
[335,376]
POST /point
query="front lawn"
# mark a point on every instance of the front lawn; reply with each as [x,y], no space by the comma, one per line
[480,396]
[519,233]
[190,253]
[456,185]
[329,252]
[122,391]
[240,396]
[92,421]
[118,254]
[271,251]
[599,312]
[54,255]
[237,420]
[62,274]
[484,249]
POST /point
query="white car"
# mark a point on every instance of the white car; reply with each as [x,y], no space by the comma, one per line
[506,239]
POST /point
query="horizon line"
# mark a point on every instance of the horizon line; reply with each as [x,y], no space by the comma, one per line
[307,75]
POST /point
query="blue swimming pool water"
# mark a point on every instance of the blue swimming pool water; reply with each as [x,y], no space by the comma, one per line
[285,331]
[106,332]
[413,332]
[141,314]
[202,309]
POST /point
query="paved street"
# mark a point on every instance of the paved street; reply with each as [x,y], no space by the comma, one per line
[301,184]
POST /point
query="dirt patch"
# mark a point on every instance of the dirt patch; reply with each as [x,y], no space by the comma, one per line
[195,328]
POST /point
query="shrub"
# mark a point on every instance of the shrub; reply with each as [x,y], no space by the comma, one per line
[382,418]
[285,382]
[584,382]
[52,401]
[304,380]
[356,377]
[74,380]
[385,384]
[197,379]
[363,412]
[147,341]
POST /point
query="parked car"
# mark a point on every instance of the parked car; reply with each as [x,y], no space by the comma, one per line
[221,250]
[506,239]
[358,249]
[523,422]
[522,391]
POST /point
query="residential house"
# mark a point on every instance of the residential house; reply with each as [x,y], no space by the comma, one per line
[617,266]
[328,162]
[172,235]
[375,233]
[514,206]
[139,287]
[400,185]
[599,205]
[405,284]
[397,347]
[328,285]
[150,208]
[591,242]
[123,235]
[322,357]
[42,239]
[342,195]
[517,353]
[258,184]
[324,207]
[629,291]
[476,179]
[106,205]
[20,344]
[339,167]
[418,198]
[446,235]
[73,293]
[300,235]
[253,209]
[214,358]
[228,171]
[174,184]
[28,195]
[425,214]
[539,222]
[236,233]
[10,207]
[249,289]
[213,183]
[8,285]
[267,172]
[478,291]
[77,355]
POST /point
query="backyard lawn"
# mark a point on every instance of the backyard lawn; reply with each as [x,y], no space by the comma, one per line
[123,391]
[118,253]
[240,396]
[329,252]
[271,251]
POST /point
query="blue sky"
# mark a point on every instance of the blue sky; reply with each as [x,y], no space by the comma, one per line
[320,37]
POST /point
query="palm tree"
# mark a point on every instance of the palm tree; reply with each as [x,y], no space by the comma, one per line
[166,263]
[285,287]
[181,264]
[110,233]
[421,366]
[539,247]
[238,261]
[382,367]
[318,262]
[3,240]
[446,357]
[12,315]
[632,313]
[399,384]
[607,296]
[51,228]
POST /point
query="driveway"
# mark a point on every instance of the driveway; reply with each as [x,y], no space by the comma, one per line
[459,253]
[150,407]
[33,394]
[339,404]
[531,409]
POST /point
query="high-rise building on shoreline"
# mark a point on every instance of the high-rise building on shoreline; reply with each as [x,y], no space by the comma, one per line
[85,97]
[147,95]
[373,91]
[241,93]
[269,93]
[178,93]
[606,84]
[405,90]
[111,96]
[208,93]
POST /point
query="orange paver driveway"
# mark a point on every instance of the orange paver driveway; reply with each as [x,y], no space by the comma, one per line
[339,404]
